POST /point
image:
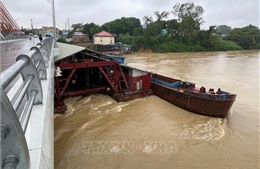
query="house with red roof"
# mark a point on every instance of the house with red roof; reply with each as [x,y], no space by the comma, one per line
[104,38]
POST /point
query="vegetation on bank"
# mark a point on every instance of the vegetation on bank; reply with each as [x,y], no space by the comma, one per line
[164,43]
[182,34]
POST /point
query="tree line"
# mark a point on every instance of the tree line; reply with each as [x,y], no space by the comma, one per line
[176,35]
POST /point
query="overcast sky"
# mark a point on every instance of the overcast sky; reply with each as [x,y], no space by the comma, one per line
[234,13]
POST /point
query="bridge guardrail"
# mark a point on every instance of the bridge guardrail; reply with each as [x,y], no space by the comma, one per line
[32,68]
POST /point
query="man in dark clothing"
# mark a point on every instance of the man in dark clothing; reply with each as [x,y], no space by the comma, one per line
[40,37]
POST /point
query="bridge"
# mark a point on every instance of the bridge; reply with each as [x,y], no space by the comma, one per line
[8,27]
[27,138]
[35,83]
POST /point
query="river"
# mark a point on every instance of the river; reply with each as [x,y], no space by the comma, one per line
[149,133]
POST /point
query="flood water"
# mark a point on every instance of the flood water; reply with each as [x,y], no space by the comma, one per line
[149,133]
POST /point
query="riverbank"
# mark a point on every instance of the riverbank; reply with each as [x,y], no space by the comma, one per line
[218,45]
[164,44]
[176,55]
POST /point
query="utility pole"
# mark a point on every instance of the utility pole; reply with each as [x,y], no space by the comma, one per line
[68,24]
[31,24]
[54,24]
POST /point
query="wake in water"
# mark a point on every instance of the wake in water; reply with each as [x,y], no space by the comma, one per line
[208,130]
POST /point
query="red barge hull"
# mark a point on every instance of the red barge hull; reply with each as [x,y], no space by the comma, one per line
[204,106]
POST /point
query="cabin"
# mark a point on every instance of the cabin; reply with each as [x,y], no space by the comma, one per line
[137,79]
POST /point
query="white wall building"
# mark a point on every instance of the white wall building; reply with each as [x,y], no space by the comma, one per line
[104,38]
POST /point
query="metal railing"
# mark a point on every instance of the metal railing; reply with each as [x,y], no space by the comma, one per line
[32,67]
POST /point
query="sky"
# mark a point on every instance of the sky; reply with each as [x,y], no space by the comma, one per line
[234,13]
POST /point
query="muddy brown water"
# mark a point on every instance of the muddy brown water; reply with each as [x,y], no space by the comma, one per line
[149,133]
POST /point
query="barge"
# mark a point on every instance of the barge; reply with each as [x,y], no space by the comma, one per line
[83,71]
[189,97]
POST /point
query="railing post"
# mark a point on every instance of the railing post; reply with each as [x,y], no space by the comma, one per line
[45,53]
[4,131]
[38,60]
[10,162]
[30,69]
[13,143]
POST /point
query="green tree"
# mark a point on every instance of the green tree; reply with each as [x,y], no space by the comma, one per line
[247,37]
[91,29]
[172,27]
[161,15]
[77,26]
[190,18]
[87,27]
[148,20]
[27,31]
[209,41]
[223,29]
[138,31]
[154,28]
[122,26]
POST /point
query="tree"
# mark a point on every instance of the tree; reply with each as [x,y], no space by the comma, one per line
[148,20]
[205,39]
[122,26]
[138,31]
[223,29]
[190,18]
[154,28]
[162,15]
[247,37]
[91,29]
[172,27]
[87,27]
[27,31]
[76,26]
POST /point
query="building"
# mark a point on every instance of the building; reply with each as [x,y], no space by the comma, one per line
[65,34]
[104,38]
[49,30]
[80,37]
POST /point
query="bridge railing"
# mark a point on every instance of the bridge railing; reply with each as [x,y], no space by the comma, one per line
[32,68]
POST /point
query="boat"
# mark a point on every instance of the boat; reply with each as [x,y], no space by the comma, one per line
[117,49]
[195,99]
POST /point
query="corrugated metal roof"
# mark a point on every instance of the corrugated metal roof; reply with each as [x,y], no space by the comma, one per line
[79,33]
[67,50]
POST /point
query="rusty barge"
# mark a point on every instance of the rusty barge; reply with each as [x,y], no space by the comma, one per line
[83,71]
[187,96]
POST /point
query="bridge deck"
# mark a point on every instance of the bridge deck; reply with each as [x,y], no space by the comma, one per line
[10,49]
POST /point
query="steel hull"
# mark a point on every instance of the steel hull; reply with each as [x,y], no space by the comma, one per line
[131,96]
[203,106]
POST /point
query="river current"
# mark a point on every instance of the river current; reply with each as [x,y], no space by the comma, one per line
[149,133]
